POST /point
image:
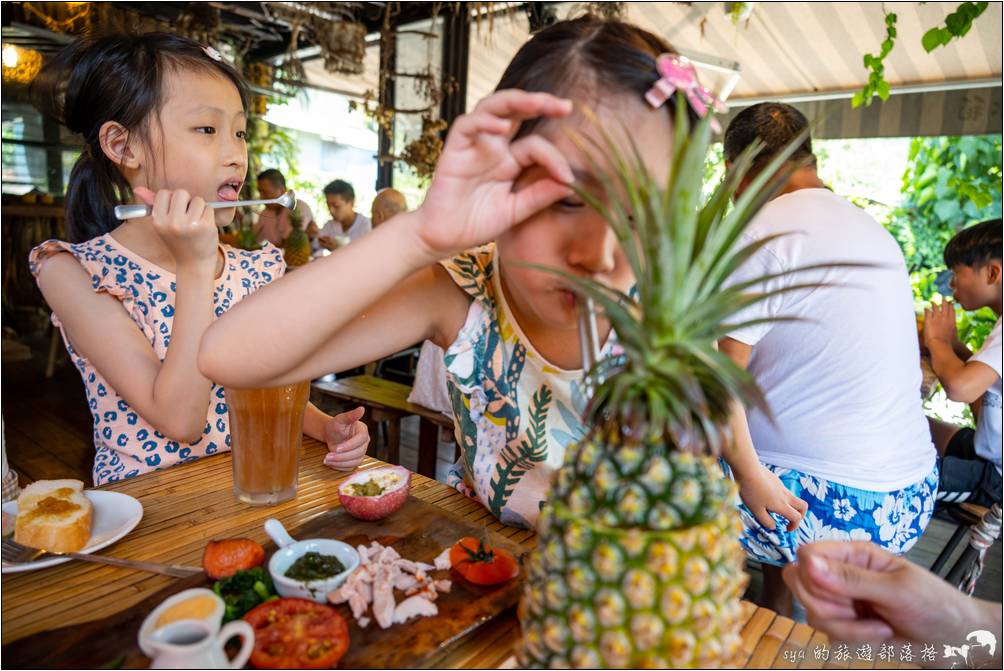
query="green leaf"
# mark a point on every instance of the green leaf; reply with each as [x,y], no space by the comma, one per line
[857,99]
[932,39]
[883,90]
[955,22]
[946,209]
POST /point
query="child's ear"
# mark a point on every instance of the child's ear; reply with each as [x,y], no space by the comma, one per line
[992,272]
[118,145]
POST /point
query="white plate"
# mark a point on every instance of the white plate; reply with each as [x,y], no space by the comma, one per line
[113,516]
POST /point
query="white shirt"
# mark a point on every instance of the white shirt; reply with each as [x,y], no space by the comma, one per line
[843,380]
[360,227]
[987,442]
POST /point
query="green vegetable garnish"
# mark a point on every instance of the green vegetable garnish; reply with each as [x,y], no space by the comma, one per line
[243,591]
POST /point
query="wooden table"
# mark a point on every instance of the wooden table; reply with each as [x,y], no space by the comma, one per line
[187,505]
[386,400]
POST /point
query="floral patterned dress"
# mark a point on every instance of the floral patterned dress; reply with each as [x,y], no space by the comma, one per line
[515,412]
[125,444]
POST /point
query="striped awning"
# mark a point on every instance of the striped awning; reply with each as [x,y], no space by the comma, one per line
[806,53]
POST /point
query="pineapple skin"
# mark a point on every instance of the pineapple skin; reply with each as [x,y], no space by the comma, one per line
[297,248]
[606,590]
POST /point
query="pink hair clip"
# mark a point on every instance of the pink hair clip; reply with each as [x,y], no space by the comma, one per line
[677,73]
[213,53]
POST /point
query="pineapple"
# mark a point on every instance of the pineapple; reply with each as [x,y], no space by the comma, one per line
[638,562]
[296,247]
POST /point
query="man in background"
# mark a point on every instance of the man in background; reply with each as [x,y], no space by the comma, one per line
[387,203]
[275,221]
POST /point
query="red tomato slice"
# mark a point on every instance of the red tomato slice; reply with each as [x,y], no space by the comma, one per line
[482,564]
[224,558]
[297,634]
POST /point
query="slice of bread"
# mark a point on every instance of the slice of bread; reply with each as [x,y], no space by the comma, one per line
[53,515]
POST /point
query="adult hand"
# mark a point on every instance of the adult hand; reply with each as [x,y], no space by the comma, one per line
[858,592]
[471,198]
[328,242]
[764,493]
[186,225]
[347,440]
[939,323]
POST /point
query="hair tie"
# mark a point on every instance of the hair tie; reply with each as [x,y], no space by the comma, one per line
[677,73]
[213,53]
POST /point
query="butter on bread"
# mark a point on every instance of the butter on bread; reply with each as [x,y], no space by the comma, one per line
[53,515]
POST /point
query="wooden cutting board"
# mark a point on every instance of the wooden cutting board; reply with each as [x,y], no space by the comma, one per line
[418,531]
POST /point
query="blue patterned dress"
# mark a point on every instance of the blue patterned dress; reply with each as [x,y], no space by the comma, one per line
[125,444]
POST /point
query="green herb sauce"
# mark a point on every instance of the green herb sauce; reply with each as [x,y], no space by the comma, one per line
[314,566]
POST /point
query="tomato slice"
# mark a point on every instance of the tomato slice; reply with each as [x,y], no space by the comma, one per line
[224,558]
[297,634]
[482,564]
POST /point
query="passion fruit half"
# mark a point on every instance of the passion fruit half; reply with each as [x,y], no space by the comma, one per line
[375,494]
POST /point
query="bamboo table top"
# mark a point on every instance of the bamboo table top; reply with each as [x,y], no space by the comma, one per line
[188,505]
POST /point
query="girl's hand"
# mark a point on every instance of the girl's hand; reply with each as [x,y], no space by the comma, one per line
[939,323]
[347,440]
[764,493]
[185,224]
[471,198]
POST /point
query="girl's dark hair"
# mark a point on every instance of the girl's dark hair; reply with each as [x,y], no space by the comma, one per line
[112,78]
[975,246]
[588,56]
[776,125]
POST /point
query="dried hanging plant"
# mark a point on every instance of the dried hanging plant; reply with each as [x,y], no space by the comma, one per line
[332,27]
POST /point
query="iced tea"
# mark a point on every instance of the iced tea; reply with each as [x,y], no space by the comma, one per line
[266,426]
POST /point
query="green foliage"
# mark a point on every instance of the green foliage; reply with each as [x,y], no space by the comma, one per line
[949,183]
[270,146]
[956,25]
[877,85]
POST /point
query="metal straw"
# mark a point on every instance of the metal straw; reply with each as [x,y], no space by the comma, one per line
[589,340]
[287,200]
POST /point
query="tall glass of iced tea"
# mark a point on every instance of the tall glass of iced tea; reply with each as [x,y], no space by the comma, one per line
[265,430]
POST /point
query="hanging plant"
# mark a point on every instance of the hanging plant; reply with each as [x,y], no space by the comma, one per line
[740,11]
[956,25]
[877,85]
[423,152]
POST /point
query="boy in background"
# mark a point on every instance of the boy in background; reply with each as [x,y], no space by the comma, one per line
[971,459]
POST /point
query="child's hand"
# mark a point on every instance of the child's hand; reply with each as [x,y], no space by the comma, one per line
[939,323]
[764,493]
[185,224]
[471,198]
[347,439]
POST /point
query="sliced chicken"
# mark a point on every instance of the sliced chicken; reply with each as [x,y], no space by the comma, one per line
[414,606]
[443,562]
[382,570]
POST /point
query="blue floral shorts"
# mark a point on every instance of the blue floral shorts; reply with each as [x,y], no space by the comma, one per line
[892,520]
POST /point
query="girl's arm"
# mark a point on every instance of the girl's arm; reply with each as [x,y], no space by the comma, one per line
[286,332]
[761,490]
[173,396]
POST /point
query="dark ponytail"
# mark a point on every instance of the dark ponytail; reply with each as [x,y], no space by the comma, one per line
[113,78]
[588,56]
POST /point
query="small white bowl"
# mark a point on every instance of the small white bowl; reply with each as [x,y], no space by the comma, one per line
[149,626]
[290,550]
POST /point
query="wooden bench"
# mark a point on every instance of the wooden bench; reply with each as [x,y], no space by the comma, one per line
[387,401]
